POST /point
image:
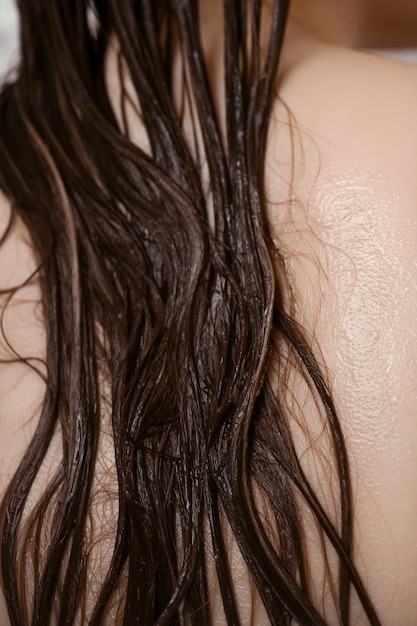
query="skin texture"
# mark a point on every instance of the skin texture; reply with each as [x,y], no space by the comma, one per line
[351,234]
[344,160]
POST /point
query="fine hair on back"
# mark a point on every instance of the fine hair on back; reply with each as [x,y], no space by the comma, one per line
[164,314]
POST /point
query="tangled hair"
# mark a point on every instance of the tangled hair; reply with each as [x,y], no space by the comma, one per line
[162,312]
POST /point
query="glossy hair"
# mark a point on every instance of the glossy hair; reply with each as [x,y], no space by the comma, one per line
[163,314]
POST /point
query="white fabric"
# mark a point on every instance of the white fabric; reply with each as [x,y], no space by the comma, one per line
[399,54]
[8,35]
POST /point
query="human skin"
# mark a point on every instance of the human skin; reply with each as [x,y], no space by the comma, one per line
[340,181]
[350,237]
[359,23]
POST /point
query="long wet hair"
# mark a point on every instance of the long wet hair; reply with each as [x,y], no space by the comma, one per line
[162,311]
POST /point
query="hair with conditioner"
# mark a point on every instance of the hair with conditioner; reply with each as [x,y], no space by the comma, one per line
[162,311]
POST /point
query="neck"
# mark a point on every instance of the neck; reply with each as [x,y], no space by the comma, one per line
[359,23]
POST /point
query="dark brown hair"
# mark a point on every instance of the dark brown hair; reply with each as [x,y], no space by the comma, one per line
[162,311]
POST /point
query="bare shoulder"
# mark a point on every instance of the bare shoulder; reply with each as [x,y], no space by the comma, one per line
[342,190]
[22,340]
[359,103]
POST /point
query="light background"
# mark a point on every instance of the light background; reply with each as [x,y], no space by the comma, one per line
[9,37]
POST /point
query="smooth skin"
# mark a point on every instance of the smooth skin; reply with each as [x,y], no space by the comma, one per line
[351,240]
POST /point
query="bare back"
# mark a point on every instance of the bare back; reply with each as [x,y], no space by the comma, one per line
[342,193]
[350,239]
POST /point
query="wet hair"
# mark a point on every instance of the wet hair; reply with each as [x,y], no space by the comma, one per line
[164,313]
